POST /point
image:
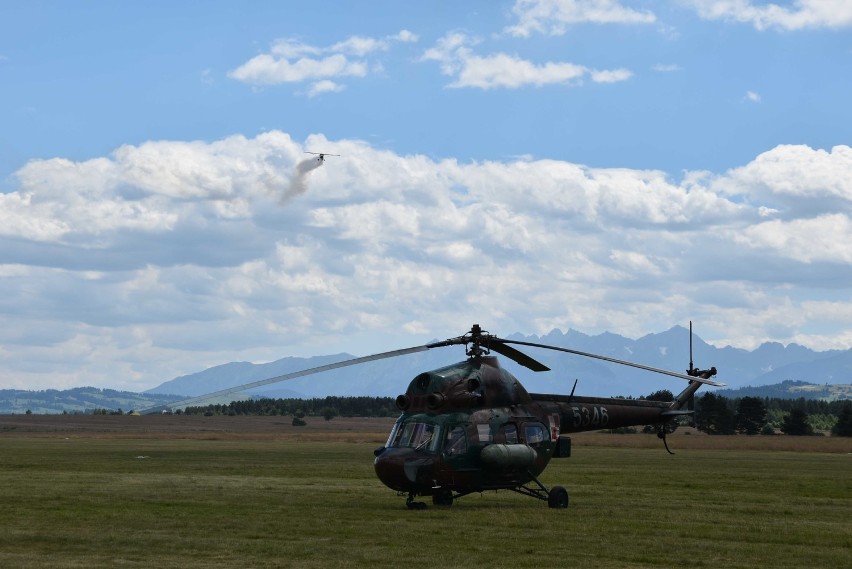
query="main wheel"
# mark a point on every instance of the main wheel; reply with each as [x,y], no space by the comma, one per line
[557,497]
[443,498]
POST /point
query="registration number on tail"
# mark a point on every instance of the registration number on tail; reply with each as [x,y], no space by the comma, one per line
[591,416]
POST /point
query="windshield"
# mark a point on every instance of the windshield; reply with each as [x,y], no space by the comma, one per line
[421,436]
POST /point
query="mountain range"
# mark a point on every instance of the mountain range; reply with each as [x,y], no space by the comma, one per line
[770,363]
[772,370]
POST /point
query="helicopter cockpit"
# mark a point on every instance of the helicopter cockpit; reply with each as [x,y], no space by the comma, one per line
[429,437]
[415,434]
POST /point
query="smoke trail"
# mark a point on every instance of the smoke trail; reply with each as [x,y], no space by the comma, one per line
[298,183]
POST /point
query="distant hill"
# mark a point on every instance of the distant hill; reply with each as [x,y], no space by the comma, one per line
[792,390]
[769,363]
[87,399]
[806,372]
[77,400]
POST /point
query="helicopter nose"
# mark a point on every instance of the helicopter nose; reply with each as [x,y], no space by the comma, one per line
[404,469]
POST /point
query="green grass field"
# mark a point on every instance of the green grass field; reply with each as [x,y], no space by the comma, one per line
[71,501]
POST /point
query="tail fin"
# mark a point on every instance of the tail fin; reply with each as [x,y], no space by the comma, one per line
[684,398]
[687,396]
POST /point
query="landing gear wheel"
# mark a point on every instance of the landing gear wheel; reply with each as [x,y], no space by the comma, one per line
[557,497]
[412,505]
[443,498]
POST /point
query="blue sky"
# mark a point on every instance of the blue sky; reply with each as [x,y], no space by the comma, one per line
[587,164]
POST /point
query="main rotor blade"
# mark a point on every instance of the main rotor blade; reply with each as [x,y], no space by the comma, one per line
[501,348]
[285,377]
[617,361]
[498,345]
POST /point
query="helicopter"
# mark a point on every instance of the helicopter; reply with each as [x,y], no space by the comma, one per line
[472,427]
[321,155]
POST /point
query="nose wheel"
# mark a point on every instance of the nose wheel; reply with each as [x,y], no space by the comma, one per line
[412,505]
[443,498]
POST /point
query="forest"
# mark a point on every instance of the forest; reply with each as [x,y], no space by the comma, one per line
[328,407]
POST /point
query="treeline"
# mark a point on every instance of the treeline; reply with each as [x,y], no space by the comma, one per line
[714,414]
[719,415]
[323,406]
[787,389]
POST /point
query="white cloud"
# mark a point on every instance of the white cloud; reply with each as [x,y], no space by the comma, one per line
[502,70]
[359,46]
[553,17]
[823,238]
[752,97]
[170,256]
[325,86]
[291,61]
[666,67]
[151,188]
[266,69]
[405,36]
[634,262]
[803,14]
[611,75]
[794,180]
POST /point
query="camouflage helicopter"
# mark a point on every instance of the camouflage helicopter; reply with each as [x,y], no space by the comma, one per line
[471,426]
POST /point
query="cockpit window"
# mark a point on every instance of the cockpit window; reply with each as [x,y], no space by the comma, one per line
[421,436]
[510,433]
[456,441]
[535,434]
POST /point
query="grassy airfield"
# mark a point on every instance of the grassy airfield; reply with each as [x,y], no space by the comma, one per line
[256,492]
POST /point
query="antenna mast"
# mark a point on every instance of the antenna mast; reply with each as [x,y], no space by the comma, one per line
[691,367]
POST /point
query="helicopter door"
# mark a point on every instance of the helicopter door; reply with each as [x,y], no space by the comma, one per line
[456,443]
[457,466]
[537,436]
